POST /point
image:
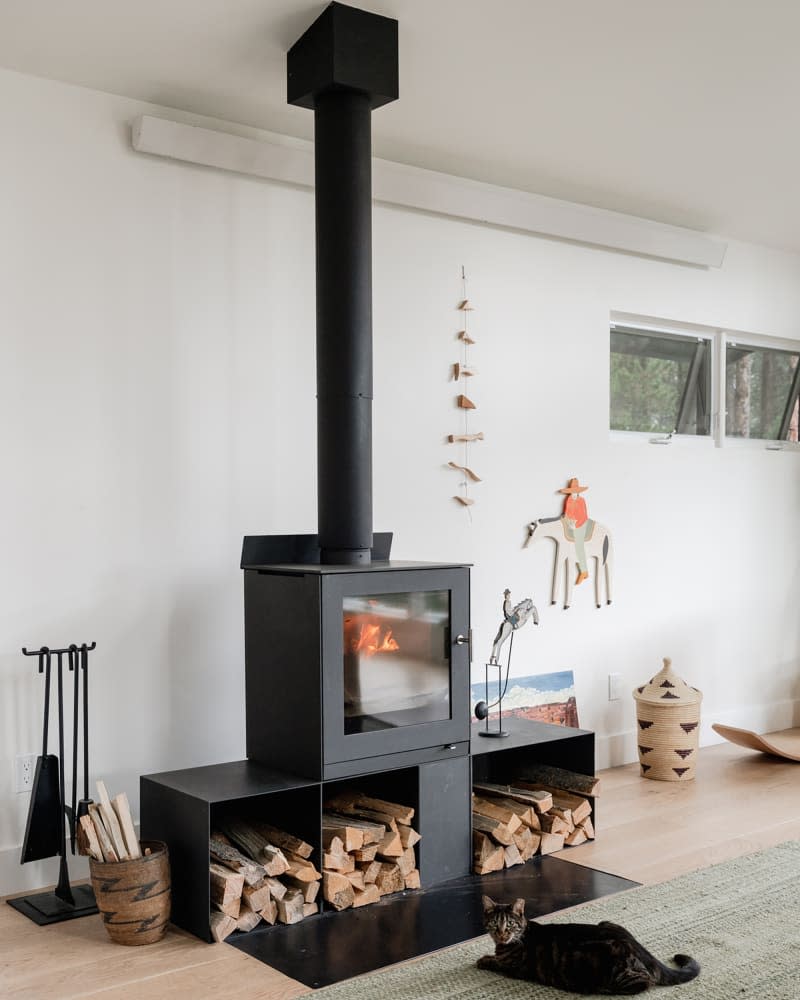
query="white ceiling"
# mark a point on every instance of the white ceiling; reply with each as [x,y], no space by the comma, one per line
[684,111]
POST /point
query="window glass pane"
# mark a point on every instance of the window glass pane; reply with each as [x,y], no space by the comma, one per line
[660,382]
[760,392]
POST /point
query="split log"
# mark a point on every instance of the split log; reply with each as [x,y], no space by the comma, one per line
[88,841]
[483,846]
[290,908]
[371,870]
[553,823]
[408,836]
[577,836]
[221,925]
[543,776]
[257,896]
[302,870]
[332,842]
[391,846]
[371,833]
[369,894]
[565,815]
[337,891]
[551,842]
[524,811]
[390,879]
[497,830]
[106,845]
[111,822]
[123,813]
[285,841]
[407,862]
[493,810]
[403,814]
[276,888]
[232,858]
[412,880]
[493,862]
[338,862]
[308,890]
[248,919]
[270,911]
[527,842]
[226,889]
[356,879]
[369,816]
[309,909]
[511,856]
[540,800]
[588,827]
[340,827]
[254,844]
[578,806]
[368,853]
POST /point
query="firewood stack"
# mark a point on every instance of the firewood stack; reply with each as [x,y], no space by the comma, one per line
[542,811]
[368,846]
[259,872]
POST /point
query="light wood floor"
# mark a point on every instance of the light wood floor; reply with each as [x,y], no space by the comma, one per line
[649,831]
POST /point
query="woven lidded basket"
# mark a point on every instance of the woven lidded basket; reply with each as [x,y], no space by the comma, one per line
[668,716]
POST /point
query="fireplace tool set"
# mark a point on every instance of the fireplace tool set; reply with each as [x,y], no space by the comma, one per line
[45,831]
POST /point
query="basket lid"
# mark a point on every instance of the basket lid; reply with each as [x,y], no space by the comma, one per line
[666,688]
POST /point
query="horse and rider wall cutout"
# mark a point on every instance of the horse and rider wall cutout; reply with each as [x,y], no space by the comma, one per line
[578,539]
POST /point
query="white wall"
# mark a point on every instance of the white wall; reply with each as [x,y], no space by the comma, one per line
[157,395]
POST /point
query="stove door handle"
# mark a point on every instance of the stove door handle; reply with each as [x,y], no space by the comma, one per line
[465,640]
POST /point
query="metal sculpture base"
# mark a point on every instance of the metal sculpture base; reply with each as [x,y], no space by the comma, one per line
[496,733]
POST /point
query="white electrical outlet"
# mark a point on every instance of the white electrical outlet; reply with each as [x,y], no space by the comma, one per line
[25,766]
[614,687]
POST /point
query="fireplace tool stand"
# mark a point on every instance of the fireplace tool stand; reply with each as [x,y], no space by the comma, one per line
[45,831]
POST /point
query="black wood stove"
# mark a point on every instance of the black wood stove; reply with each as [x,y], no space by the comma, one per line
[357,667]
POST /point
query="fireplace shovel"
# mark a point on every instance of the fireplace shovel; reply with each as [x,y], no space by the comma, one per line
[43,829]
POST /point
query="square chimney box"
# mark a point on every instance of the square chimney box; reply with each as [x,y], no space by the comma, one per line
[345,48]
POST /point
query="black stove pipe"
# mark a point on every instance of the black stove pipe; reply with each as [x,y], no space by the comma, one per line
[344,66]
[343,160]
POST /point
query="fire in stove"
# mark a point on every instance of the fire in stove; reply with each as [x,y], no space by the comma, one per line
[396,663]
[368,638]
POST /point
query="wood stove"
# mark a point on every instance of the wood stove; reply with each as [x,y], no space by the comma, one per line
[355,669]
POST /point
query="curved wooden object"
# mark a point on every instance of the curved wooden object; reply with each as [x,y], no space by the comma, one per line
[784,744]
[467,472]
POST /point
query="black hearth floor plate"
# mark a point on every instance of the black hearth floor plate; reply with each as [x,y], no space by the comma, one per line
[330,947]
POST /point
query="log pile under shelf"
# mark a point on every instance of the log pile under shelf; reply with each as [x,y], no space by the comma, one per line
[259,873]
[539,813]
[368,849]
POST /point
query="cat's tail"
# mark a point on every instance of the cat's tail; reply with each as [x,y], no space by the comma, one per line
[687,968]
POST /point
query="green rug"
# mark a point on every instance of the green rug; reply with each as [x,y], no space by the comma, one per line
[739,919]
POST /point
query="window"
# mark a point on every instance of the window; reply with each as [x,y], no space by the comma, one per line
[660,382]
[761,390]
[678,379]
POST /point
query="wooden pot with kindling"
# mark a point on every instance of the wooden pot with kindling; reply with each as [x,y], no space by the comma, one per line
[668,726]
[134,895]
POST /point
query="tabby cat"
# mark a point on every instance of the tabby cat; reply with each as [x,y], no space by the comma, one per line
[583,958]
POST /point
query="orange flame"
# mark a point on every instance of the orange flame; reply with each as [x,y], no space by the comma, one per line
[369,641]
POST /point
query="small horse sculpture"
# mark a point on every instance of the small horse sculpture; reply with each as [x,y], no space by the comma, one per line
[597,544]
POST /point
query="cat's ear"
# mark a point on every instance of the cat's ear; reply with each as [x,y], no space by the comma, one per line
[488,903]
[519,907]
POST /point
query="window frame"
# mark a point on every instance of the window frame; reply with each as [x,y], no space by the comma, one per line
[719,338]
